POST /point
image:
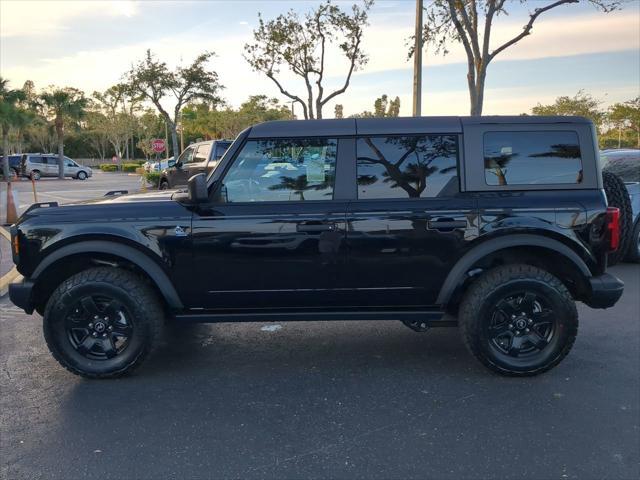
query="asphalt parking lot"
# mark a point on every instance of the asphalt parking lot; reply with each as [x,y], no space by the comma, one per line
[325,400]
[70,190]
[319,400]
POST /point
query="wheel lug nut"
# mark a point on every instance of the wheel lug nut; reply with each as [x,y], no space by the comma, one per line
[104,335]
[530,321]
[94,334]
[526,330]
[510,327]
[106,318]
[95,317]
[91,325]
[513,316]
[110,328]
[517,332]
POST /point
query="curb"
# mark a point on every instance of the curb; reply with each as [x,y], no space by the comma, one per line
[9,277]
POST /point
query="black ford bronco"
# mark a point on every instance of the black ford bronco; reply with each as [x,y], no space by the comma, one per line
[493,224]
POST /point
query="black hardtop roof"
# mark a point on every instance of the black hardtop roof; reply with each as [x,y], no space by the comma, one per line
[394,126]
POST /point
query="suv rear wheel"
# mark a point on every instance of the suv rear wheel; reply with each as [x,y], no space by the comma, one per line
[518,320]
[102,322]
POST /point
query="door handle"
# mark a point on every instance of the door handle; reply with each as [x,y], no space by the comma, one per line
[315,227]
[447,224]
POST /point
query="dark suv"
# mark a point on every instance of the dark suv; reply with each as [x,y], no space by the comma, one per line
[493,224]
[200,157]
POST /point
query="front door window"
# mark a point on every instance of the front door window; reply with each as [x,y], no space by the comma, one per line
[282,170]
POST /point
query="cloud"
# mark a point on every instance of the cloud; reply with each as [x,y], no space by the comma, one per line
[45,18]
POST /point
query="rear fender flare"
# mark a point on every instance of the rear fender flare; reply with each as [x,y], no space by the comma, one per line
[458,272]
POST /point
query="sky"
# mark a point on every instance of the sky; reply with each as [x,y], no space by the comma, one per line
[91,44]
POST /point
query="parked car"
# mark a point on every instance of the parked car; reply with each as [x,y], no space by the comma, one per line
[625,163]
[157,166]
[200,157]
[37,165]
[14,165]
[497,225]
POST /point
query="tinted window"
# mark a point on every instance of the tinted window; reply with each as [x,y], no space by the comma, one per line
[186,156]
[526,158]
[407,166]
[220,149]
[282,170]
[202,154]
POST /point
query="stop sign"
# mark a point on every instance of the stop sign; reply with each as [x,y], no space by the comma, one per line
[157,144]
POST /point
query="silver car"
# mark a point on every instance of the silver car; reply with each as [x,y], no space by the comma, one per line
[37,165]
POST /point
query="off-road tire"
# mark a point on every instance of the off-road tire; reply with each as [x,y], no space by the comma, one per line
[618,196]
[131,291]
[164,185]
[477,305]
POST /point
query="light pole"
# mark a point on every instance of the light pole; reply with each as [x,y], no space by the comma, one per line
[417,62]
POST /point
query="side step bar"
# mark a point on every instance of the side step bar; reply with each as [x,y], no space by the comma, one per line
[430,317]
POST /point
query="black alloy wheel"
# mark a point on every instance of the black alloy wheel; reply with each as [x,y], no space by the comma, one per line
[99,327]
[521,325]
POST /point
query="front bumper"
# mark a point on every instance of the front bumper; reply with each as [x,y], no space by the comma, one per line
[20,293]
[606,290]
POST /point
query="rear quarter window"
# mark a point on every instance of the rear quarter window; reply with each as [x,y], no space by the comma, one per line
[532,158]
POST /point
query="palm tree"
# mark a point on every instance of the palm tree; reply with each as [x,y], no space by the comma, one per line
[300,184]
[9,114]
[63,105]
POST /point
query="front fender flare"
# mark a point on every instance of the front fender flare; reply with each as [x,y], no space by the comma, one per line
[142,261]
[457,274]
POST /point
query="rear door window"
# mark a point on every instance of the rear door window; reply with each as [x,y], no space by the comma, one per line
[532,158]
[416,166]
[202,153]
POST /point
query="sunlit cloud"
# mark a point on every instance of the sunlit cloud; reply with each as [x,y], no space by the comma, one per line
[43,18]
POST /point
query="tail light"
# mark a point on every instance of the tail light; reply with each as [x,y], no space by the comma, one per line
[613,226]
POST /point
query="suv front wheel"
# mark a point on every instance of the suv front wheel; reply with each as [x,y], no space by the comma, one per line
[518,320]
[102,322]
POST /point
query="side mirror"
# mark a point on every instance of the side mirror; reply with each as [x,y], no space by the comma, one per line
[197,187]
[178,164]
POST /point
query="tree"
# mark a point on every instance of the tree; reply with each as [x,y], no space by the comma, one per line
[208,122]
[300,44]
[461,21]
[581,104]
[382,108]
[63,105]
[119,121]
[626,117]
[9,113]
[97,133]
[152,80]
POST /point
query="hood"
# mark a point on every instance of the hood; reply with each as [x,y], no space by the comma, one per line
[111,208]
[161,196]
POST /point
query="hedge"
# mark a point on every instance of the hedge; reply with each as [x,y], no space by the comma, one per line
[152,178]
[125,167]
